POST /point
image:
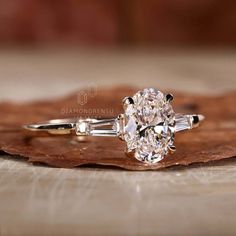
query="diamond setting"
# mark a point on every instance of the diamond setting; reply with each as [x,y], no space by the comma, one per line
[149,125]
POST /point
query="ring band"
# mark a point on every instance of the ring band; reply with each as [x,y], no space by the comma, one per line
[147,125]
[92,127]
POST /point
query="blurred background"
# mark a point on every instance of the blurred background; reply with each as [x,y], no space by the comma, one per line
[119,22]
[175,44]
[49,48]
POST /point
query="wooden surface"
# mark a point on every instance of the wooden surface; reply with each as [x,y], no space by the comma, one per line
[39,200]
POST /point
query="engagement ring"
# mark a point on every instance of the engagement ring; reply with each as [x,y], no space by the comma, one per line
[147,125]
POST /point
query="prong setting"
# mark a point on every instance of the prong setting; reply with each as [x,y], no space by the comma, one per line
[149,125]
[196,119]
[127,101]
[172,149]
[169,97]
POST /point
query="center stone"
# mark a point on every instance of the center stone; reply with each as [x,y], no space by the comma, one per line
[149,125]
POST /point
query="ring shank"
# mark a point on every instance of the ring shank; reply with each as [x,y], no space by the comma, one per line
[103,127]
[80,127]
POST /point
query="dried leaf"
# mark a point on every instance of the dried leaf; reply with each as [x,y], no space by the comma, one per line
[214,140]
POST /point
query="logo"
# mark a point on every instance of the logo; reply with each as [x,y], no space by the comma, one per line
[84,95]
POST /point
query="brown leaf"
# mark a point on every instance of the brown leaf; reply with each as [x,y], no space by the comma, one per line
[214,140]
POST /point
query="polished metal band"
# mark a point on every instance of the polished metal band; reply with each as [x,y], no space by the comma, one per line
[104,127]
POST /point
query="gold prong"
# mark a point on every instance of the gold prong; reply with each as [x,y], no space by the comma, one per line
[129,153]
[196,120]
[172,149]
[127,101]
[169,97]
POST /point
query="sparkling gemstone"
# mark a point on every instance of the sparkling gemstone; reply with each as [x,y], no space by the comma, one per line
[149,126]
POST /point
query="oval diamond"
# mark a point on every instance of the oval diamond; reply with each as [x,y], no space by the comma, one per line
[149,125]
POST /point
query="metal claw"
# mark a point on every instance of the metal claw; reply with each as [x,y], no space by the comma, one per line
[127,101]
[172,149]
[169,97]
[130,153]
[196,119]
